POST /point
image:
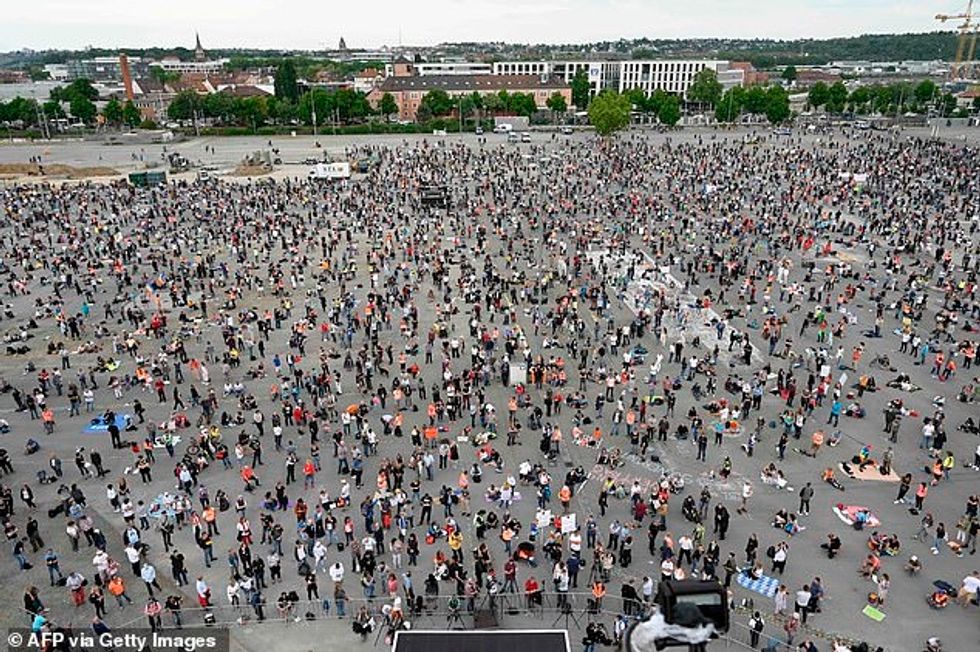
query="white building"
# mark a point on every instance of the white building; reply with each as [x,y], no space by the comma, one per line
[192,67]
[671,75]
[424,69]
[602,75]
[57,71]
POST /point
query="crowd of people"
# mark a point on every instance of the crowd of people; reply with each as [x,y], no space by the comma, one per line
[291,394]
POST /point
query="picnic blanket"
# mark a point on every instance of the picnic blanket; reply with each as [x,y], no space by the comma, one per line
[873,613]
[872,472]
[847,513]
[98,425]
[765,585]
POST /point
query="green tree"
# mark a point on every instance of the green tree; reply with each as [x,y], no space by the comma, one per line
[163,76]
[388,106]
[492,103]
[21,109]
[318,102]
[184,106]
[789,73]
[777,104]
[557,103]
[81,88]
[522,104]
[250,111]
[656,100]
[819,94]
[924,91]
[37,73]
[609,112]
[706,89]
[53,110]
[669,112]
[837,97]
[729,107]
[859,98]
[285,84]
[755,100]
[82,109]
[218,106]
[131,115]
[437,102]
[580,90]
[638,99]
[113,112]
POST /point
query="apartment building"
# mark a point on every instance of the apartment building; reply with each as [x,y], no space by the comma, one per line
[673,76]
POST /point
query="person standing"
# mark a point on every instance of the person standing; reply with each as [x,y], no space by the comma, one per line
[806,493]
[756,625]
[802,605]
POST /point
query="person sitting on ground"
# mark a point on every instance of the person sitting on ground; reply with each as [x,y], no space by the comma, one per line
[832,546]
[913,565]
[869,567]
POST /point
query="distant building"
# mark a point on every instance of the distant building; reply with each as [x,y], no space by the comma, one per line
[408,91]
[13,77]
[671,75]
[57,71]
[423,69]
[367,79]
[199,53]
[806,77]
[104,69]
[200,65]
[750,76]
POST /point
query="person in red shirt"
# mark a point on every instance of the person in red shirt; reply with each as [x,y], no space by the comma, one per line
[533,592]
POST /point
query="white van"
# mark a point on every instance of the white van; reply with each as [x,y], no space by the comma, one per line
[504,128]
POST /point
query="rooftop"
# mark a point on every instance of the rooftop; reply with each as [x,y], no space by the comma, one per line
[471,82]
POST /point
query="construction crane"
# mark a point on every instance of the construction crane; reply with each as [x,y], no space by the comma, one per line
[966,47]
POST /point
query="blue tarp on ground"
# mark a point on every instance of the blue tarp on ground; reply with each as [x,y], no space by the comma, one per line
[765,585]
[97,425]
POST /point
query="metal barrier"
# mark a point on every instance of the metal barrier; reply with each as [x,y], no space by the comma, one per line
[551,609]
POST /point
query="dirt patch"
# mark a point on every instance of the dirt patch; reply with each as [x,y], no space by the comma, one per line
[55,170]
[251,171]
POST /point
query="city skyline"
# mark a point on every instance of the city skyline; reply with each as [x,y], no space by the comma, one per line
[302,25]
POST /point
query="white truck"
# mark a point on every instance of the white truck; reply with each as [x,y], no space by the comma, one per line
[330,171]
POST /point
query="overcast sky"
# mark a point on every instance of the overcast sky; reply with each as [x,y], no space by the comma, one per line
[318,24]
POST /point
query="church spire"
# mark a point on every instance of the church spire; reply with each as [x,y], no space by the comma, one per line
[199,54]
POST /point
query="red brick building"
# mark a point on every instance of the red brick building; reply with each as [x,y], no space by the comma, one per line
[408,91]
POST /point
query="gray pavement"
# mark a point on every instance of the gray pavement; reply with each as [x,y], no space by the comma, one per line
[540,213]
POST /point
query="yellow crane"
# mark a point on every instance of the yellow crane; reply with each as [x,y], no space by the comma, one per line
[966,47]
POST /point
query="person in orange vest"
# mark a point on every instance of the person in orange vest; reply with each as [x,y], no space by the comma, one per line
[598,593]
[938,362]
[565,497]
[117,588]
[949,370]
[309,474]
[47,416]
[210,516]
[816,441]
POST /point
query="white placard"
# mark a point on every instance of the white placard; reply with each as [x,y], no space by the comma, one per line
[568,523]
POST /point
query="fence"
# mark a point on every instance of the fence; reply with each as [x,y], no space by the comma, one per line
[572,610]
